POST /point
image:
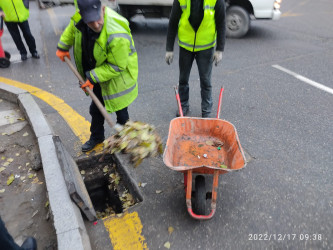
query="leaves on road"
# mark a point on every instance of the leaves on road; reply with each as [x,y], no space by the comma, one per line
[167,244]
[10,179]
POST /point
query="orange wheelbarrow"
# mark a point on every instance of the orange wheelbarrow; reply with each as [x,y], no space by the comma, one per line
[202,146]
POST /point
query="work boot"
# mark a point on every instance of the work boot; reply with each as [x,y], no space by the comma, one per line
[29,244]
[89,145]
[185,112]
[35,55]
[24,57]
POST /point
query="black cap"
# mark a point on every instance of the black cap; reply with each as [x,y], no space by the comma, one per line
[90,10]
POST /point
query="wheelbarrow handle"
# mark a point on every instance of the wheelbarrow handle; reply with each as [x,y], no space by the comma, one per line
[178,101]
[220,103]
[91,93]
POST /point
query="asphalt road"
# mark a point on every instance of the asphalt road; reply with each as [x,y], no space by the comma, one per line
[284,124]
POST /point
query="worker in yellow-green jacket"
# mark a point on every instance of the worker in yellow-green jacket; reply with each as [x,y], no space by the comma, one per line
[201,36]
[105,56]
[16,14]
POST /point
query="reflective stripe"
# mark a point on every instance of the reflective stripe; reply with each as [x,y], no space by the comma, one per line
[183,7]
[123,35]
[196,46]
[115,67]
[110,97]
[207,7]
[95,76]
[64,45]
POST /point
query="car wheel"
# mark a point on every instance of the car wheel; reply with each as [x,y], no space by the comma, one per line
[4,63]
[125,12]
[237,22]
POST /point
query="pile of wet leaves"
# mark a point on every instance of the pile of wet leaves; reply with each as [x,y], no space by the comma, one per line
[138,139]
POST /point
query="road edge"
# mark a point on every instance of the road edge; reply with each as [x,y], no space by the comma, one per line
[67,218]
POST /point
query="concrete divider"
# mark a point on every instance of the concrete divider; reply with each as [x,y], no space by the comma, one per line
[68,221]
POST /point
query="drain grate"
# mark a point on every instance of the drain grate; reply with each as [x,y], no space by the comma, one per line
[108,186]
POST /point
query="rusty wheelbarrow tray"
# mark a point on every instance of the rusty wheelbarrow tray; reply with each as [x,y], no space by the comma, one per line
[202,146]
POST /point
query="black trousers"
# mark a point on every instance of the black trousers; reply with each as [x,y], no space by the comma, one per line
[204,59]
[13,29]
[6,240]
[97,119]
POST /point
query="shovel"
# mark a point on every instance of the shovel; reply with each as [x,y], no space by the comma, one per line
[136,138]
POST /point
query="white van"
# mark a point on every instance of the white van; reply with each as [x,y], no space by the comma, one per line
[239,12]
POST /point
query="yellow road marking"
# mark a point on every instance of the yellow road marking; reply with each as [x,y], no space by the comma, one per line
[288,14]
[125,232]
[54,21]
[79,125]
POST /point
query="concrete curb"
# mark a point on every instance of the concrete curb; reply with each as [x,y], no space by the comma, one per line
[68,221]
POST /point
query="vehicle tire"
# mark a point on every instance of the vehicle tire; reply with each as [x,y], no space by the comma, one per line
[237,22]
[4,63]
[7,55]
[124,11]
[200,195]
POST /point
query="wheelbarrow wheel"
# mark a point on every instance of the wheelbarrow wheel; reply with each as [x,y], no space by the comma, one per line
[7,55]
[200,195]
[4,63]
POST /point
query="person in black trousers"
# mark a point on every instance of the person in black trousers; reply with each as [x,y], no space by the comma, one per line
[200,26]
[16,14]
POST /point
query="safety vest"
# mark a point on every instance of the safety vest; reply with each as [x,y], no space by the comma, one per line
[205,37]
[116,69]
[14,10]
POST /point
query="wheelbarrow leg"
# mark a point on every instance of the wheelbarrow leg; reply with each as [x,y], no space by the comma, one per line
[214,189]
[188,186]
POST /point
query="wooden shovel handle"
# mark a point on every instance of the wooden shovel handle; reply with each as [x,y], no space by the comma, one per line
[91,93]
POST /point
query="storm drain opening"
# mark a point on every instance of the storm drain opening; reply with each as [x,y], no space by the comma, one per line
[110,188]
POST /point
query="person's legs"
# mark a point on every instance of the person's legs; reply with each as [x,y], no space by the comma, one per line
[122,116]
[185,64]
[97,122]
[97,119]
[15,33]
[204,61]
[6,240]
[24,26]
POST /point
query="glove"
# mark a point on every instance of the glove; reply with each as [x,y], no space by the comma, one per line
[169,57]
[217,57]
[87,84]
[61,54]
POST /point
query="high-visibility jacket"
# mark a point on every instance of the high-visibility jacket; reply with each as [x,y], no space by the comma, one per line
[15,10]
[116,67]
[205,37]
